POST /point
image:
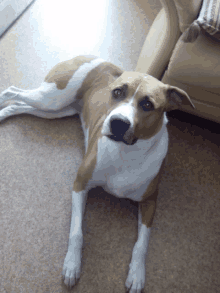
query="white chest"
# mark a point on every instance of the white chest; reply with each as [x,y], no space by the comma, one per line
[126,171]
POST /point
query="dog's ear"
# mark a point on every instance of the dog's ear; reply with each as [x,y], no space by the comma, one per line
[176,98]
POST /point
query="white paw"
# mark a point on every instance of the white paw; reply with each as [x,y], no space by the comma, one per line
[72,266]
[136,277]
[9,93]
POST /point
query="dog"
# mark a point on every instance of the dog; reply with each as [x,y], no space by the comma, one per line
[124,121]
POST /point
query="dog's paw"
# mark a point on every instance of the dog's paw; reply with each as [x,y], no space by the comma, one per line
[10,108]
[72,266]
[136,277]
[9,93]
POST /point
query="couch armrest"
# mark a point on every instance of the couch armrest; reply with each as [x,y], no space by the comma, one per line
[188,11]
[160,41]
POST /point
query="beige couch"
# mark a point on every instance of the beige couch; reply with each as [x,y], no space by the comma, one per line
[194,67]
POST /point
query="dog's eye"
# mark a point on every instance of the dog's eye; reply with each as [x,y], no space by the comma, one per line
[117,93]
[120,92]
[147,106]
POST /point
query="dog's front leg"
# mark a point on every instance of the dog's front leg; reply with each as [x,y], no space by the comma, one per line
[72,262]
[137,268]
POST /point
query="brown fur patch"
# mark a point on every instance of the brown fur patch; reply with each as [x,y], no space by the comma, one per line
[61,73]
[148,203]
[88,164]
[148,123]
[95,94]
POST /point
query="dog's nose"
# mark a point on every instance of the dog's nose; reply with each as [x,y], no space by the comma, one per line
[119,125]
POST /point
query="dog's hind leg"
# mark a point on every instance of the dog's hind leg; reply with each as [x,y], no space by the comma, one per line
[45,98]
[60,88]
[22,108]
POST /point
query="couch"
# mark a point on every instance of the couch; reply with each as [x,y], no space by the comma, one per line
[192,66]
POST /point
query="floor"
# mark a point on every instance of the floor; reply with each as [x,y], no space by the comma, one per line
[49,32]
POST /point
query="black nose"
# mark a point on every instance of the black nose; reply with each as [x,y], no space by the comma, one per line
[119,125]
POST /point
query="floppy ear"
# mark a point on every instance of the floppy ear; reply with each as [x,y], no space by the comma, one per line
[176,98]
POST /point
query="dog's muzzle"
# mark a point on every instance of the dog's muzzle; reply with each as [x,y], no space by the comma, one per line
[121,130]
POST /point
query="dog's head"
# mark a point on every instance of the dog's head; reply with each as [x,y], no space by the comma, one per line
[137,105]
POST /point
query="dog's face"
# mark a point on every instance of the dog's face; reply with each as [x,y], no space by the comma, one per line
[137,103]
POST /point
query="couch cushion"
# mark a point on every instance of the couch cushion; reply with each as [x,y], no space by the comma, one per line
[197,63]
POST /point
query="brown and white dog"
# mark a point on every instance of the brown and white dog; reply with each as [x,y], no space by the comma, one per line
[124,120]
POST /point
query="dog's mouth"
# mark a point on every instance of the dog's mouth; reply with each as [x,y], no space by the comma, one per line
[121,139]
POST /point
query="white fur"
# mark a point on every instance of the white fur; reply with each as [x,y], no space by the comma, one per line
[23,108]
[137,267]
[127,170]
[72,263]
[126,110]
[86,133]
